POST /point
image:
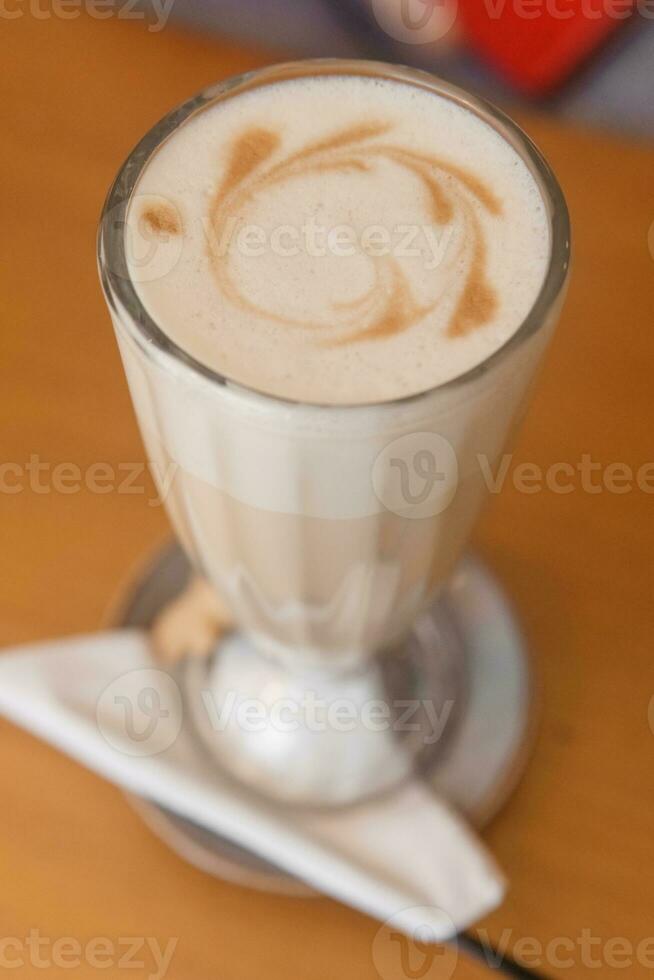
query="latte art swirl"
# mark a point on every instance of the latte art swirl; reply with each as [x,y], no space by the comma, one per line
[337,239]
[452,197]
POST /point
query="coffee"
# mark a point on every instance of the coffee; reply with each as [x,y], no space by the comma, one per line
[338,239]
[331,284]
[328,517]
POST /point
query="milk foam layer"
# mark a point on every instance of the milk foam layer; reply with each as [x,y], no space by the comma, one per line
[338,239]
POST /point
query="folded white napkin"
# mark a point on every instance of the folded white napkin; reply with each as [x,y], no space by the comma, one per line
[406,856]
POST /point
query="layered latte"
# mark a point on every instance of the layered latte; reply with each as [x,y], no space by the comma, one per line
[331,256]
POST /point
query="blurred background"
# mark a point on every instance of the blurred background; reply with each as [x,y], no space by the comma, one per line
[589,60]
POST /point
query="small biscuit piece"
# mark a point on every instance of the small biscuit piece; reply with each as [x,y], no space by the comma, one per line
[190,624]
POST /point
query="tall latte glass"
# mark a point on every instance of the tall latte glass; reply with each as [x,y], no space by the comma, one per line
[331,283]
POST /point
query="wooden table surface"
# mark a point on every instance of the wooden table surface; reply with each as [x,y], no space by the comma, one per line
[576,838]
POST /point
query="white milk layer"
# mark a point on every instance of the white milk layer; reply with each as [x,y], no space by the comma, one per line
[338,239]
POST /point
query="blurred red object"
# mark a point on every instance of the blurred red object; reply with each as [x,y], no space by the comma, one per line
[537,44]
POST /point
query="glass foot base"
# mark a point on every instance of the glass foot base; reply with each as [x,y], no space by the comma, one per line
[466,658]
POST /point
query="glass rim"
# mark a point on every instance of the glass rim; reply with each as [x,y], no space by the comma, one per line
[122,297]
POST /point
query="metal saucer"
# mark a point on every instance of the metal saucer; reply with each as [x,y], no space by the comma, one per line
[475,768]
